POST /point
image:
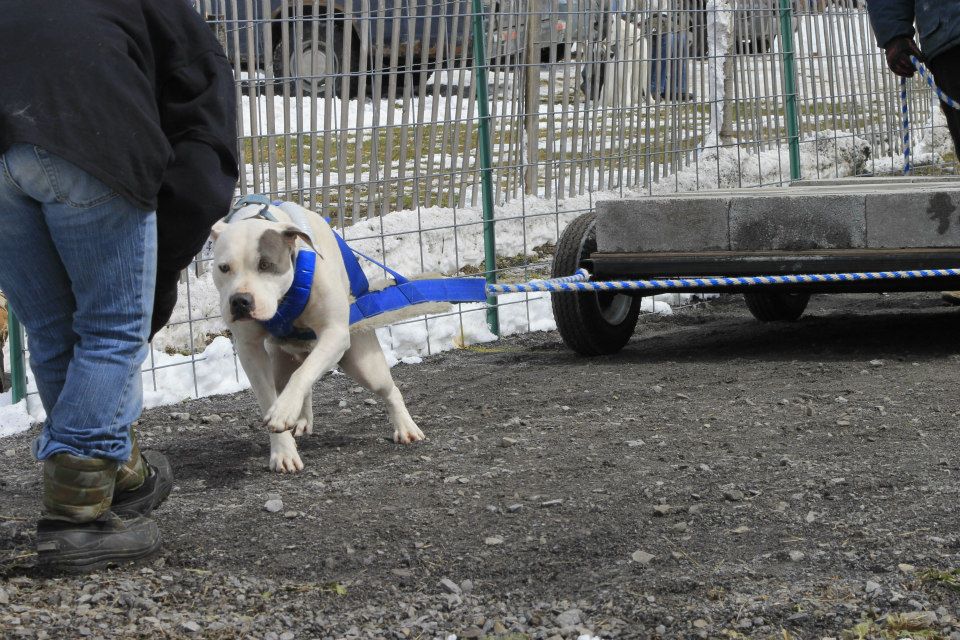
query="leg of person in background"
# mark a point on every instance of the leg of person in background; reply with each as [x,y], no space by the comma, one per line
[78,264]
[658,66]
[680,52]
[668,69]
[946,72]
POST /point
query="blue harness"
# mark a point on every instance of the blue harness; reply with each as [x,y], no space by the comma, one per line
[367,304]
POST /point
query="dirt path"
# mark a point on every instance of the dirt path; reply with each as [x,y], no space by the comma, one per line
[789,481]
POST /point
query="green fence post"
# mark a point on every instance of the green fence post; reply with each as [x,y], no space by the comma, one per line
[790,86]
[486,161]
[18,369]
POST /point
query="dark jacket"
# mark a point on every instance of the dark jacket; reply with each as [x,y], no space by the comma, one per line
[137,93]
[938,22]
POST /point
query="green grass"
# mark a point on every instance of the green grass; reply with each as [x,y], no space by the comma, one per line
[949,579]
[894,627]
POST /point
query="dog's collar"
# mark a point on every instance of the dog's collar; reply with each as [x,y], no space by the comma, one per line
[246,201]
[295,212]
[294,301]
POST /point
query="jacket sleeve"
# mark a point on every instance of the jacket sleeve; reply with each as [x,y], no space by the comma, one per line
[890,19]
[198,114]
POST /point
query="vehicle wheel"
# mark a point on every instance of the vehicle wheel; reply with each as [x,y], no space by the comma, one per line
[777,307]
[591,324]
[307,64]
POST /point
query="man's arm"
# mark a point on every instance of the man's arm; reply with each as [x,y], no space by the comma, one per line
[891,19]
[892,22]
[198,114]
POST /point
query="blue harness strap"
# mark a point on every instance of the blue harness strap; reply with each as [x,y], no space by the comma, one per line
[294,301]
[367,304]
[406,292]
[411,292]
[358,281]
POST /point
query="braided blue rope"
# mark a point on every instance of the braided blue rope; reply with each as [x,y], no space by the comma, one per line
[578,282]
[944,98]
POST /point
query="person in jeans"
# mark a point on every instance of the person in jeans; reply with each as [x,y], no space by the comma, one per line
[117,154]
[670,23]
[938,27]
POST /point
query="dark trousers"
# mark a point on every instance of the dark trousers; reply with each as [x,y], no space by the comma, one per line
[946,73]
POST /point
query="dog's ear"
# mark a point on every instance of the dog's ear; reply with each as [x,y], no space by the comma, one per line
[292,233]
[217,229]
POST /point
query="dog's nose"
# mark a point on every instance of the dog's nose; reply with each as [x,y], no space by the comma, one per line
[241,304]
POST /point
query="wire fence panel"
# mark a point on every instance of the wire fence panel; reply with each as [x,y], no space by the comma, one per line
[366,112]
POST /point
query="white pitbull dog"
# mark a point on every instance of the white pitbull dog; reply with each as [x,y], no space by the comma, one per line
[254,267]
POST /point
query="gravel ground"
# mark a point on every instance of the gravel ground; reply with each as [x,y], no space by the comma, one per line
[717,478]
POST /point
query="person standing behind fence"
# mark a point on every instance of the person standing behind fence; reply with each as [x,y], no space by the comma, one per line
[117,154]
[670,23]
[938,27]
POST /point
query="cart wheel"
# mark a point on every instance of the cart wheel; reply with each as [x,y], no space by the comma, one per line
[591,324]
[773,307]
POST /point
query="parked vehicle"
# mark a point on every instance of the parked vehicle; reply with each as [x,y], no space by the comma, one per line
[323,40]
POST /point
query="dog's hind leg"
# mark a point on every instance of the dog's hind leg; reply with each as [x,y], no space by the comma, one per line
[364,362]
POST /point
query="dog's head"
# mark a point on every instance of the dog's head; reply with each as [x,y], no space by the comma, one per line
[253,266]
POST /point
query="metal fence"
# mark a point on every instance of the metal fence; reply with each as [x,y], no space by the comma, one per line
[367,111]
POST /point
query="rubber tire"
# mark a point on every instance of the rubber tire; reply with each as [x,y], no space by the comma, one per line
[777,307]
[307,87]
[580,316]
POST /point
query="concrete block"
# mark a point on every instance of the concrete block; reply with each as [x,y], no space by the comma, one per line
[663,224]
[913,218]
[869,181]
[797,222]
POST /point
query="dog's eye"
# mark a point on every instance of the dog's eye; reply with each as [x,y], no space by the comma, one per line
[263,265]
[224,268]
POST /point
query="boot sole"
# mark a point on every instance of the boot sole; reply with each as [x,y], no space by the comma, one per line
[86,562]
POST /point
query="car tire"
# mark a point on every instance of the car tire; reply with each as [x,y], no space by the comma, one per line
[777,307]
[590,323]
[312,80]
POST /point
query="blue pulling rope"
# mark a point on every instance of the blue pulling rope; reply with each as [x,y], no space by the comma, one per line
[578,283]
[904,110]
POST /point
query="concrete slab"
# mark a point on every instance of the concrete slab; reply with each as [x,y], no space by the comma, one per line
[913,219]
[798,222]
[872,180]
[866,213]
[663,224]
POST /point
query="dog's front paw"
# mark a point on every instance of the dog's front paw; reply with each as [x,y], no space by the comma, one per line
[285,416]
[283,454]
[406,431]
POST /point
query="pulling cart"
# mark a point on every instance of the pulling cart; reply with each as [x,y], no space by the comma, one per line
[848,226]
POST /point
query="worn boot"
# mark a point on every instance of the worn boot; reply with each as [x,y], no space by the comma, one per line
[78,532]
[143,482]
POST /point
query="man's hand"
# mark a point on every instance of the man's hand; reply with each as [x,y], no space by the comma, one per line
[899,51]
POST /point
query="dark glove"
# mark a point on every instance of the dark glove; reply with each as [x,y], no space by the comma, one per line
[164,299]
[899,51]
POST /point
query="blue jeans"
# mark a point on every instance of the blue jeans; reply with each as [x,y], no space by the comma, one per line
[78,265]
[668,74]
